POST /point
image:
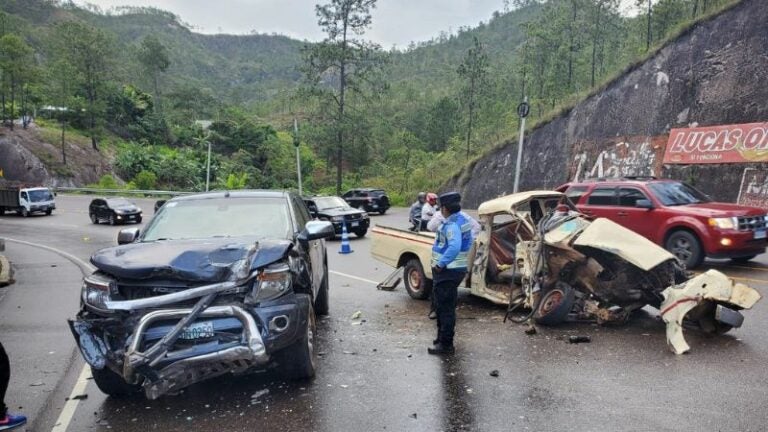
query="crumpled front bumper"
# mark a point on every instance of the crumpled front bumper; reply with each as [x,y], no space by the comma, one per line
[712,290]
[147,353]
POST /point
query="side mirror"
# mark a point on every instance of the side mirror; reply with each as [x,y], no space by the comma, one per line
[158,204]
[644,203]
[128,235]
[315,230]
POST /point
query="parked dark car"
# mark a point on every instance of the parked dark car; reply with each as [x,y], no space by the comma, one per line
[217,283]
[114,211]
[338,212]
[370,200]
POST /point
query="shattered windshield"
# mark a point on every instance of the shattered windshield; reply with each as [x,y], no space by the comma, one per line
[221,217]
[677,193]
[325,203]
[40,195]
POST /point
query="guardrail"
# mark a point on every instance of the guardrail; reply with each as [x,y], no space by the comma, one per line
[120,191]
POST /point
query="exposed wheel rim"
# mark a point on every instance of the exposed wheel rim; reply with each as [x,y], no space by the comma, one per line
[551,302]
[414,280]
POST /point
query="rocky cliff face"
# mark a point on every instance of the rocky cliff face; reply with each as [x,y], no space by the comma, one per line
[714,74]
[25,157]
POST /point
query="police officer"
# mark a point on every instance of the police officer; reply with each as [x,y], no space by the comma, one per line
[449,266]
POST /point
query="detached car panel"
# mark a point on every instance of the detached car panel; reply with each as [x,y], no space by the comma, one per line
[218,283]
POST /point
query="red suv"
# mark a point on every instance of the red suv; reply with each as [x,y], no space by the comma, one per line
[674,215]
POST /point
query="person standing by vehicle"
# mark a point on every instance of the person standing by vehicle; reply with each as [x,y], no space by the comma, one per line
[433,225]
[428,210]
[414,217]
[7,421]
[449,266]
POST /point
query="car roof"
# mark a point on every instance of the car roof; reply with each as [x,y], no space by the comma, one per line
[366,189]
[622,180]
[244,193]
[506,203]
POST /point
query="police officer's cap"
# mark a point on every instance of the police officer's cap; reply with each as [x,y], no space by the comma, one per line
[449,198]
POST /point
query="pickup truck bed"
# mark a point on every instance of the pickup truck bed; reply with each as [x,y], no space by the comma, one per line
[397,248]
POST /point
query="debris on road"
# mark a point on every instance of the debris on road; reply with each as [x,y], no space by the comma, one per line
[494,373]
[414,415]
[579,339]
[259,394]
[356,315]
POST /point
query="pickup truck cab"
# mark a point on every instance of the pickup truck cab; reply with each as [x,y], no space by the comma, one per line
[674,215]
[26,200]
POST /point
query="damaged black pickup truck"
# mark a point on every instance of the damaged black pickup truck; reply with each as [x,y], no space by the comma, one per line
[218,283]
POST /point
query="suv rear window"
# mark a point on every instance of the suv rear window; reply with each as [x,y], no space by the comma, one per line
[602,196]
[377,193]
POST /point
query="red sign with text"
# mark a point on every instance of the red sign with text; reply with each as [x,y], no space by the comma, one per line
[718,144]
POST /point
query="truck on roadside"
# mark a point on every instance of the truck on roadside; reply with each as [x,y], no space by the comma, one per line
[25,200]
[548,263]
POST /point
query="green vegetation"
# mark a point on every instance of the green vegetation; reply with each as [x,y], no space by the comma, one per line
[138,85]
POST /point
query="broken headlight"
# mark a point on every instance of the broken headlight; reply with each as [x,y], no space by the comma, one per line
[96,289]
[272,282]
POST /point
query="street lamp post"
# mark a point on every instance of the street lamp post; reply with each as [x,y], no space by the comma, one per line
[296,144]
[522,111]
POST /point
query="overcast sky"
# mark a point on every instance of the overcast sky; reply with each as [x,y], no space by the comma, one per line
[395,22]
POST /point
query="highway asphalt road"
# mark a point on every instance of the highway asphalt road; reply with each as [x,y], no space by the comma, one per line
[374,372]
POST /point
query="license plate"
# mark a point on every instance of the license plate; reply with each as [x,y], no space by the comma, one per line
[374,205]
[198,330]
[354,224]
[760,234]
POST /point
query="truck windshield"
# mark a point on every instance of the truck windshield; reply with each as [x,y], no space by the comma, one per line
[221,217]
[40,195]
[330,202]
[677,193]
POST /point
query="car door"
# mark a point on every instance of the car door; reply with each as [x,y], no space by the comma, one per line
[101,209]
[630,216]
[315,247]
[602,202]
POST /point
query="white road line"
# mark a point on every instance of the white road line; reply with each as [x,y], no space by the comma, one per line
[68,412]
[353,277]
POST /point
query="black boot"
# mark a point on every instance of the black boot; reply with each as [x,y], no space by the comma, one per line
[441,349]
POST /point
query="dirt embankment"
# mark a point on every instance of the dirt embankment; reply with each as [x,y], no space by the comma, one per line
[25,156]
[714,74]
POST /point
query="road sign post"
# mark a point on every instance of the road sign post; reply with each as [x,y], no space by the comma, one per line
[522,110]
[296,144]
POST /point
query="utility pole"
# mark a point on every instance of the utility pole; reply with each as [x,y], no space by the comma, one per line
[208,166]
[296,144]
[522,110]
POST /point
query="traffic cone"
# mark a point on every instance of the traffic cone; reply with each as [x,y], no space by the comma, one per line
[345,248]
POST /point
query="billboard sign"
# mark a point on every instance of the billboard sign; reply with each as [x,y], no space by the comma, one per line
[718,144]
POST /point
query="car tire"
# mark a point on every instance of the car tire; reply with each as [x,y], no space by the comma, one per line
[322,303]
[298,361]
[113,384]
[94,219]
[382,211]
[554,305]
[112,220]
[743,259]
[48,212]
[416,282]
[24,212]
[361,233]
[138,220]
[686,247]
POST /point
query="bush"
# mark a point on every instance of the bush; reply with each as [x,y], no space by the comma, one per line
[107,182]
[145,180]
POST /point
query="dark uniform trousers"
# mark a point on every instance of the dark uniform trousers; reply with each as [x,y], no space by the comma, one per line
[445,291]
[5,376]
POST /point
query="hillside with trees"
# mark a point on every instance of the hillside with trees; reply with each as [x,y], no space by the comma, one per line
[138,84]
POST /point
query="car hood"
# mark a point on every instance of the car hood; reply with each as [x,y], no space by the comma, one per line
[340,212]
[718,209]
[208,260]
[130,208]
